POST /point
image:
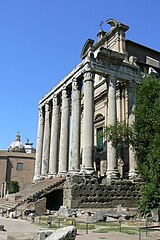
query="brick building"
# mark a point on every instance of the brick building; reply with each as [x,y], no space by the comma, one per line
[17,163]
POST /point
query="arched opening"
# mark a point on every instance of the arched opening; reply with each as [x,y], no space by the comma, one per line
[54,200]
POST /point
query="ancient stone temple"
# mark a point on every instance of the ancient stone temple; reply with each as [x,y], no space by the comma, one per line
[100,91]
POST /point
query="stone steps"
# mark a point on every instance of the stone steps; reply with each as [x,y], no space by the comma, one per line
[6,205]
[31,193]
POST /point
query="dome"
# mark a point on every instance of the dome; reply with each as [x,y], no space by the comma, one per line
[17,145]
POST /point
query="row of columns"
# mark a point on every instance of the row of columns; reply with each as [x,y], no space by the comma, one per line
[53,139]
[52,143]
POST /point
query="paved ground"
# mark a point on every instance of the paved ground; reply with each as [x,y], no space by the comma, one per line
[110,236]
[106,236]
[17,227]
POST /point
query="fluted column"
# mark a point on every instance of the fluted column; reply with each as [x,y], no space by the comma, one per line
[112,171]
[39,146]
[88,122]
[54,143]
[64,133]
[2,190]
[74,160]
[131,106]
[5,190]
[119,102]
[46,141]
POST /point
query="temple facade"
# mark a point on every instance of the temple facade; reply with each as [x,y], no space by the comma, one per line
[100,91]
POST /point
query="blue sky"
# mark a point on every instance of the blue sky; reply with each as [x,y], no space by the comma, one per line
[41,42]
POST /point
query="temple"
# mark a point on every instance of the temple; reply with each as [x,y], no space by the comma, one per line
[99,92]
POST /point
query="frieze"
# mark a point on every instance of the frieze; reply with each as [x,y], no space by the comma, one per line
[124,71]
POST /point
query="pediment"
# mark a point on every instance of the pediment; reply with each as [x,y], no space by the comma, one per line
[99,117]
[88,44]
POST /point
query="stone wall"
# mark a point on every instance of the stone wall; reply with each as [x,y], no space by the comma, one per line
[39,206]
[92,192]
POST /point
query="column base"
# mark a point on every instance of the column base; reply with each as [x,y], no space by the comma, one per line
[43,176]
[62,174]
[86,171]
[133,175]
[73,172]
[112,174]
[50,175]
[36,179]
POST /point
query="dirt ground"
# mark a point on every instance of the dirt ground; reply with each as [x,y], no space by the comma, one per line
[21,228]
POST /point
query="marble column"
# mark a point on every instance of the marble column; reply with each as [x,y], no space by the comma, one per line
[112,169]
[131,106]
[88,123]
[2,190]
[64,133]
[39,147]
[119,102]
[5,190]
[74,160]
[54,143]
[46,141]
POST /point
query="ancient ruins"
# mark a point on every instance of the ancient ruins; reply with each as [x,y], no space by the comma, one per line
[100,91]
[75,165]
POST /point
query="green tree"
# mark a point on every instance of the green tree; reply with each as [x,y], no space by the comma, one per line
[118,134]
[147,141]
[13,186]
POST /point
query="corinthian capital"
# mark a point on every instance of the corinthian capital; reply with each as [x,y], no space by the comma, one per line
[55,100]
[64,93]
[112,81]
[89,75]
[75,85]
[40,112]
[47,107]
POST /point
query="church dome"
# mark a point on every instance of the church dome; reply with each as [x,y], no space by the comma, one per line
[17,145]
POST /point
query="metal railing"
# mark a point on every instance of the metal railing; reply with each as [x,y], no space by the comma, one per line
[150,228]
[59,222]
[119,224]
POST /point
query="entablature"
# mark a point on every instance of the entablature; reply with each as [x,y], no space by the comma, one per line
[106,63]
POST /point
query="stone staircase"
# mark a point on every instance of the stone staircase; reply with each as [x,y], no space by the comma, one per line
[5,205]
[31,194]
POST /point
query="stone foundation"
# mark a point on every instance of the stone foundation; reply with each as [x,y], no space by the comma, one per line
[92,192]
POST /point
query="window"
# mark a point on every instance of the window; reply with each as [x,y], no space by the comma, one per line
[19,166]
[100,139]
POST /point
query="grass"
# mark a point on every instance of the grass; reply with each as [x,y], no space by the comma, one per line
[98,227]
[106,224]
[45,225]
[46,218]
[80,226]
[83,226]
[127,230]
